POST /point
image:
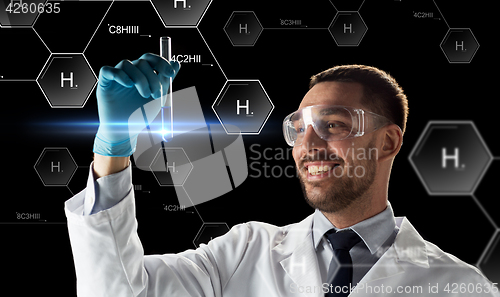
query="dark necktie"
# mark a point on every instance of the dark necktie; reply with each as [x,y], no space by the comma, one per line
[341,243]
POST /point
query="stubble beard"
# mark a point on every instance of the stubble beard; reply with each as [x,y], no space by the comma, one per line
[342,193]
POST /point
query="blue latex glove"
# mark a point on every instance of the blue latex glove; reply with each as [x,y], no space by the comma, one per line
[122,90]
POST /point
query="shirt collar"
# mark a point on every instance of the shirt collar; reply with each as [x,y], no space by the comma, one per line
[373,231]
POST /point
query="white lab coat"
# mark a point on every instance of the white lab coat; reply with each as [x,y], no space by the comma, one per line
[252,259]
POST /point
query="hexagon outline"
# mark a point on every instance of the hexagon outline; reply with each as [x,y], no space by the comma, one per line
[185,178]
[243,133]
[231,17]
[180,26]
[334,18]
[23,26]
[45,67]
[203,227]
[359,8]
[495,238]
[40,157]
[479,178]
[445,37]
[92,37]
[485,212]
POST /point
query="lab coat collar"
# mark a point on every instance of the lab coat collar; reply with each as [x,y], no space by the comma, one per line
[301,264]
[408,247]
[299,260]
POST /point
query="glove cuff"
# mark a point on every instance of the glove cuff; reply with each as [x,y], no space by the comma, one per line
[120,149]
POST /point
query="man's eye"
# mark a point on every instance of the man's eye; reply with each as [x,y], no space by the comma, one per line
[335,125]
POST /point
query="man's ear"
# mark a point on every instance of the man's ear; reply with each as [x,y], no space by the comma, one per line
[391,143]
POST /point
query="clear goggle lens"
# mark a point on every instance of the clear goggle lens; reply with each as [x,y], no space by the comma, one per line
[331,123]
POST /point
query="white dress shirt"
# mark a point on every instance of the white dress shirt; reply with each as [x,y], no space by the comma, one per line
[377,235]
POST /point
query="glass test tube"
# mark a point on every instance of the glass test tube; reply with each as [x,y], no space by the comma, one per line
[167,111]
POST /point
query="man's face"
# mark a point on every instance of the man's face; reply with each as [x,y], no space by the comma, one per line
[334,174]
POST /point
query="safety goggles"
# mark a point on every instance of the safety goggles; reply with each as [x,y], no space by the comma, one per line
[331,123]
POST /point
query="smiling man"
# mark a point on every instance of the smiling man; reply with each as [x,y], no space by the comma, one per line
[355,186]
[345,135]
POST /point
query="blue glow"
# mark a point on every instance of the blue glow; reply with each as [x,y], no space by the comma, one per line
[90,127]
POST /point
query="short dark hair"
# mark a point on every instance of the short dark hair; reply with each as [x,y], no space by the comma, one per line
[381,93]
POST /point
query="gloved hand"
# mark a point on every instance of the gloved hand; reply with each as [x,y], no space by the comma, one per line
[121,91]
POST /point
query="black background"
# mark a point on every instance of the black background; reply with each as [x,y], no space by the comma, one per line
[38,253]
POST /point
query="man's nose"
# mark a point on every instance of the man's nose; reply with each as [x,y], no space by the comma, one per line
[311,141]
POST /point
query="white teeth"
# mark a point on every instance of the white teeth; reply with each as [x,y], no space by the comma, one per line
[315,170]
